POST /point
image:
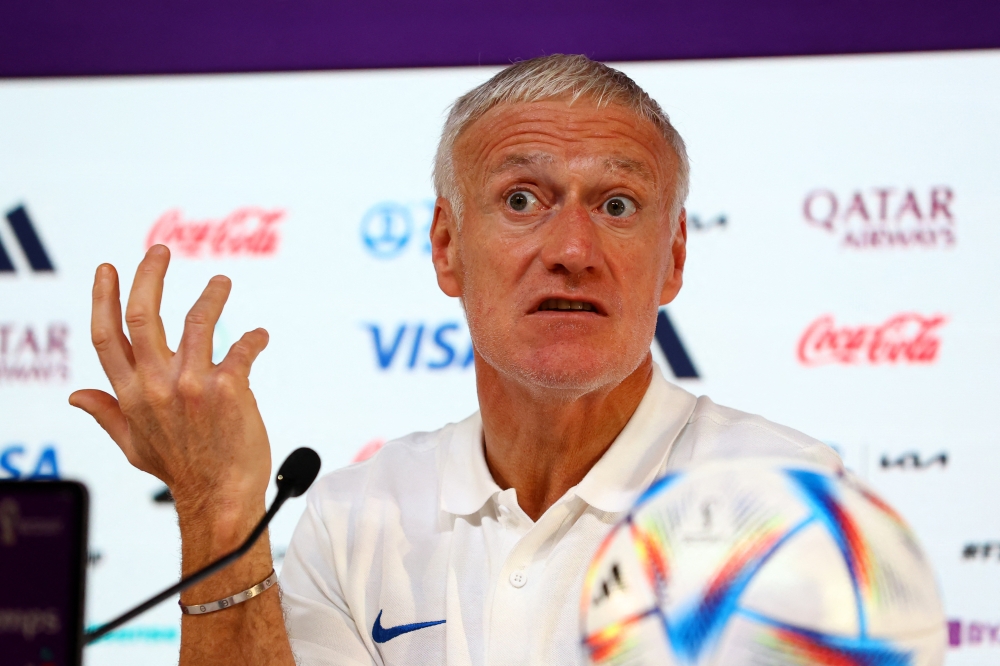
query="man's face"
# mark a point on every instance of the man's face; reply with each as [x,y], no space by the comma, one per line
[564,251]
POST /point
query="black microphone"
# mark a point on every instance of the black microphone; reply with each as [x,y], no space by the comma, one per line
[295,476]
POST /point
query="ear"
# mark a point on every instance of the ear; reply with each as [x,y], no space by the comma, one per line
[678,248]
[444,248]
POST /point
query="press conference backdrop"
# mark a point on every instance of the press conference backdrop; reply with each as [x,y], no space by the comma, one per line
[844,229]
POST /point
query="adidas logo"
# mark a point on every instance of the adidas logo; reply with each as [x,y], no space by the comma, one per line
[31,244]
[673,349]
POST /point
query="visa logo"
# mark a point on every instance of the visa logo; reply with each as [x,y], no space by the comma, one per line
[15,463]
[422,346]
[435,347]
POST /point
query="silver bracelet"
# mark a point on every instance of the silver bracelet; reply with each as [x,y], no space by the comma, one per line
[238,598]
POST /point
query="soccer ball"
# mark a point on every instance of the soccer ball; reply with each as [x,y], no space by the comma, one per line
[761,562]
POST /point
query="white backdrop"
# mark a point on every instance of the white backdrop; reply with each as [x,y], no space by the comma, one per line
[842,279]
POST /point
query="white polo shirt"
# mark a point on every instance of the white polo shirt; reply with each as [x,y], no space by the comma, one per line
[416,556]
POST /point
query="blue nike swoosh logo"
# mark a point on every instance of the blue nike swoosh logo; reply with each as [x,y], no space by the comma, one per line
[380,634]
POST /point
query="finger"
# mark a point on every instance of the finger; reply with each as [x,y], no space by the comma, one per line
[242,354]
[142,315]
[199,325]
[113,348]
[105,410]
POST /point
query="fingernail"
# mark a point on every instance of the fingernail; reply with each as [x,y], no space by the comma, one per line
[159,250]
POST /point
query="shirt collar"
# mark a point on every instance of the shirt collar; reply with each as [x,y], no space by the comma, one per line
[613,484]
[637,455]
[467,483]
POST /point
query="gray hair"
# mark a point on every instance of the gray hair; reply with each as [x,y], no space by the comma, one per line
[551,77]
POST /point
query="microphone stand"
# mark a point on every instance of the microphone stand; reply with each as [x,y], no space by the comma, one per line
[292,479]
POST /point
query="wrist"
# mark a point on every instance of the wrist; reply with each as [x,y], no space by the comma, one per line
[233,599]
[210,529]
[222,497]
[248,570]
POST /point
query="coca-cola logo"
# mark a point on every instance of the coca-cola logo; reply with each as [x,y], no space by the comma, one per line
[31,353]
[368,450]
[907,338]
[885,217]
[249,231]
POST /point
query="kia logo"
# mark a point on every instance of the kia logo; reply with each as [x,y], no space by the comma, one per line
[913,460]
[983,550]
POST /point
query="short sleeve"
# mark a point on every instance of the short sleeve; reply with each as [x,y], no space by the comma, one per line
[321,629]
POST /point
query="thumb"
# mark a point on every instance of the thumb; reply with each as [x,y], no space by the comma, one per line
[105,410]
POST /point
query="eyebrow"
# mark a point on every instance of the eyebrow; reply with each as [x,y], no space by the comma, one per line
[613,164]
[520,160]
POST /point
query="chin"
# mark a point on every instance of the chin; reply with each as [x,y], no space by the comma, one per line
[572,370]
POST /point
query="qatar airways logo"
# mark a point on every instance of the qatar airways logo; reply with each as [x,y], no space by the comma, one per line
[904,339]
[249,231]
[30,353]
[884,217]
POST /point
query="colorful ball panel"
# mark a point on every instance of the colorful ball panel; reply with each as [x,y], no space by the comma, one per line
[761,562]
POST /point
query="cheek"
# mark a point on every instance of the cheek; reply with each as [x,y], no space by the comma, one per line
[493,264]
[642,275]
[484,290]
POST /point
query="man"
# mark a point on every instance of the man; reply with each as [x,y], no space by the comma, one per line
[560,225]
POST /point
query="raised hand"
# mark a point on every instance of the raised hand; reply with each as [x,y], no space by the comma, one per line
[196,427]
[192,424]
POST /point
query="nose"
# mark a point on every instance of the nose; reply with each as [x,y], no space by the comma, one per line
[570,245]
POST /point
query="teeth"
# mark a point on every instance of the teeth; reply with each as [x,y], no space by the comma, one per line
[564,304]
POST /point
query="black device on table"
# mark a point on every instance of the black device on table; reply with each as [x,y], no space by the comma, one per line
[43,545]
[43,554]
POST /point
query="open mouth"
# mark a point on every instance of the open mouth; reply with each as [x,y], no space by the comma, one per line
[566,305]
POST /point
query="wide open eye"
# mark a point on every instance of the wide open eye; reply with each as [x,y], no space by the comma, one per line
[619,207]
[522,201]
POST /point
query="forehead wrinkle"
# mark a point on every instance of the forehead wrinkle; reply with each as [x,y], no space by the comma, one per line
[521,160]
[561,126]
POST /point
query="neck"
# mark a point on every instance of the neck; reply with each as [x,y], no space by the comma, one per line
[541,442]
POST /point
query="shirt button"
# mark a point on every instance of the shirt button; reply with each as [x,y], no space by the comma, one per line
[518,579]
[504,510]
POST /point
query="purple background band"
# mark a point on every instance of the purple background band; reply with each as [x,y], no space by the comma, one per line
[111,37]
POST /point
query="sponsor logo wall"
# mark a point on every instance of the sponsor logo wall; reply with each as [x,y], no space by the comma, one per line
[904,338]
[885,217]
[829,286]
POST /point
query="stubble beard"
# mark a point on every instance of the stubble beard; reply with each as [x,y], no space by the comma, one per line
[493,342]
